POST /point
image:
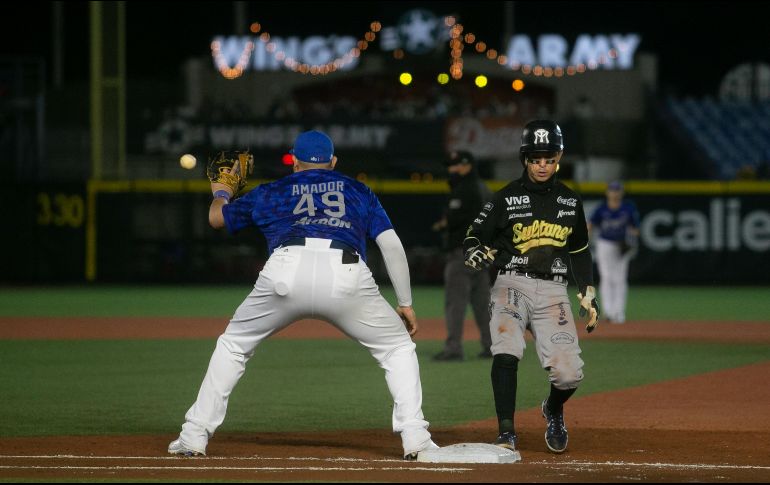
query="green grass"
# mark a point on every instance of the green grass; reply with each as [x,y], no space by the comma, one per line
[146,386]
[644,303]
[137,387]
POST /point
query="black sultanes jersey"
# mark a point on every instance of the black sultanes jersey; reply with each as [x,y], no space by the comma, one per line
[534,227]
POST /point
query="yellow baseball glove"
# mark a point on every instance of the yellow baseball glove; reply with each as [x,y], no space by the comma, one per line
[230,170]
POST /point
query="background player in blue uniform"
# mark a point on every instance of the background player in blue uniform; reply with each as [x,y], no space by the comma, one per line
[316,222]
[616,223]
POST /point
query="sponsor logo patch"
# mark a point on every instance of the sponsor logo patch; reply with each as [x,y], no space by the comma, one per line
[513,297]
[558,267]
[562,338]
[572,202]
[562,315]
[524,199]
[512,313]
[565,213]
[517,261]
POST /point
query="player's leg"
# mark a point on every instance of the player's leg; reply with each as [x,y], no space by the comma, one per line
[510,307]
[262,313]
[606,259]
[480,300]
[457,287]
[556,342]
[617,286]
[621,284]
[363,314]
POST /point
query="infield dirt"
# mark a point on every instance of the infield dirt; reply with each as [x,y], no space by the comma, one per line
[679,430]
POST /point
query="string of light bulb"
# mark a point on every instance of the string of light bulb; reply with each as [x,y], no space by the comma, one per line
[456,37]
[290,63]
[222,66]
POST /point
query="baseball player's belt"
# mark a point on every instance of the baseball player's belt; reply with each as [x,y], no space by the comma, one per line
[538,276]
[349,253]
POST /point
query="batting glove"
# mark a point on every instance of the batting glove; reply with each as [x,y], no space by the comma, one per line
[588,306]
[480,257]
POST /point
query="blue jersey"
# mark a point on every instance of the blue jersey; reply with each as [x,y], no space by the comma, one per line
[612,224]
[312,203]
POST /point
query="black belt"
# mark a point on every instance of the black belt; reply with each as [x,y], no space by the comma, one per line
[537,276]
[349,253]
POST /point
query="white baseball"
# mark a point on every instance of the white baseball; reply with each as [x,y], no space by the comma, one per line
[187,161]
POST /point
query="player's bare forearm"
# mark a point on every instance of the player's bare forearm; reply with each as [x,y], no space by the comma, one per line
[409,318]
[216,218]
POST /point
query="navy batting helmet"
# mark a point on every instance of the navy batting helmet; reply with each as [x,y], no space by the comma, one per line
[540,136]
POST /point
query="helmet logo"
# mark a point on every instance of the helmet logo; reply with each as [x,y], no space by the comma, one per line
[541,136]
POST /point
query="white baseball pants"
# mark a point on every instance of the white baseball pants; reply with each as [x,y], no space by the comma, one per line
[613,279]
[311,282]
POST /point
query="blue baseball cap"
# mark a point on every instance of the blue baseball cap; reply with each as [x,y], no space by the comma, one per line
[615,186]
[313,147]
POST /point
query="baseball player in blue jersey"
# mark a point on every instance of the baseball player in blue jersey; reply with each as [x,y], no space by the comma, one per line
[316,222]
[617,222]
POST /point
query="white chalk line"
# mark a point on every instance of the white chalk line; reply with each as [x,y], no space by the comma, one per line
[202,459]
[238,468]
[685,466]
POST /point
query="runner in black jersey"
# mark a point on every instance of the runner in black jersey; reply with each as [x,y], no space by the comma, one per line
[534,231]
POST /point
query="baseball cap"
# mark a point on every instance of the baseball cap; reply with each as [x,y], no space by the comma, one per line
[313,147]
[615,186]
[459,157]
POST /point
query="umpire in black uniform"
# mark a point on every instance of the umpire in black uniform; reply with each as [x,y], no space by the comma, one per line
[463,285]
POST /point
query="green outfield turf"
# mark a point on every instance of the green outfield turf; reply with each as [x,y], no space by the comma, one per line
[136,387]
[145,386]
[644,303]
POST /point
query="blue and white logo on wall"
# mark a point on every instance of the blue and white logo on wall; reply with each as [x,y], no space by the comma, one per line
[418,31]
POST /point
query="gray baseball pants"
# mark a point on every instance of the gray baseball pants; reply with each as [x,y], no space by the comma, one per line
[542,307]
[464,285]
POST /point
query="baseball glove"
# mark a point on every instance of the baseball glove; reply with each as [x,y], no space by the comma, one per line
[630,245]
[230,169]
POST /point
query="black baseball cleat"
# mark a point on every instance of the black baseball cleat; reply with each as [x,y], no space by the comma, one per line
[485,354]
[411,457]
[507,440]
[445,356]
[556,436]
[415,454]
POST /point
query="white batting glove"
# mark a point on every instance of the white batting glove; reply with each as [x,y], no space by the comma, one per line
[480,257]
[588,306]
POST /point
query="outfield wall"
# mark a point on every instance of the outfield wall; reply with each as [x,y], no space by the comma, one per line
[157,231]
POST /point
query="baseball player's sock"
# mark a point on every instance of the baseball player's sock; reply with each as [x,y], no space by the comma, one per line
[504,382]
[557,398]
[505,426]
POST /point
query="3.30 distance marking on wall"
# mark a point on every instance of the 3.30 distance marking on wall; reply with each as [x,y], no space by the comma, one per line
[60,210]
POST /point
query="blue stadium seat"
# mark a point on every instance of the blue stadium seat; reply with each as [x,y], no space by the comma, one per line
[731,135]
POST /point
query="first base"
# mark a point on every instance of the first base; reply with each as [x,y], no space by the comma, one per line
[469,453]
